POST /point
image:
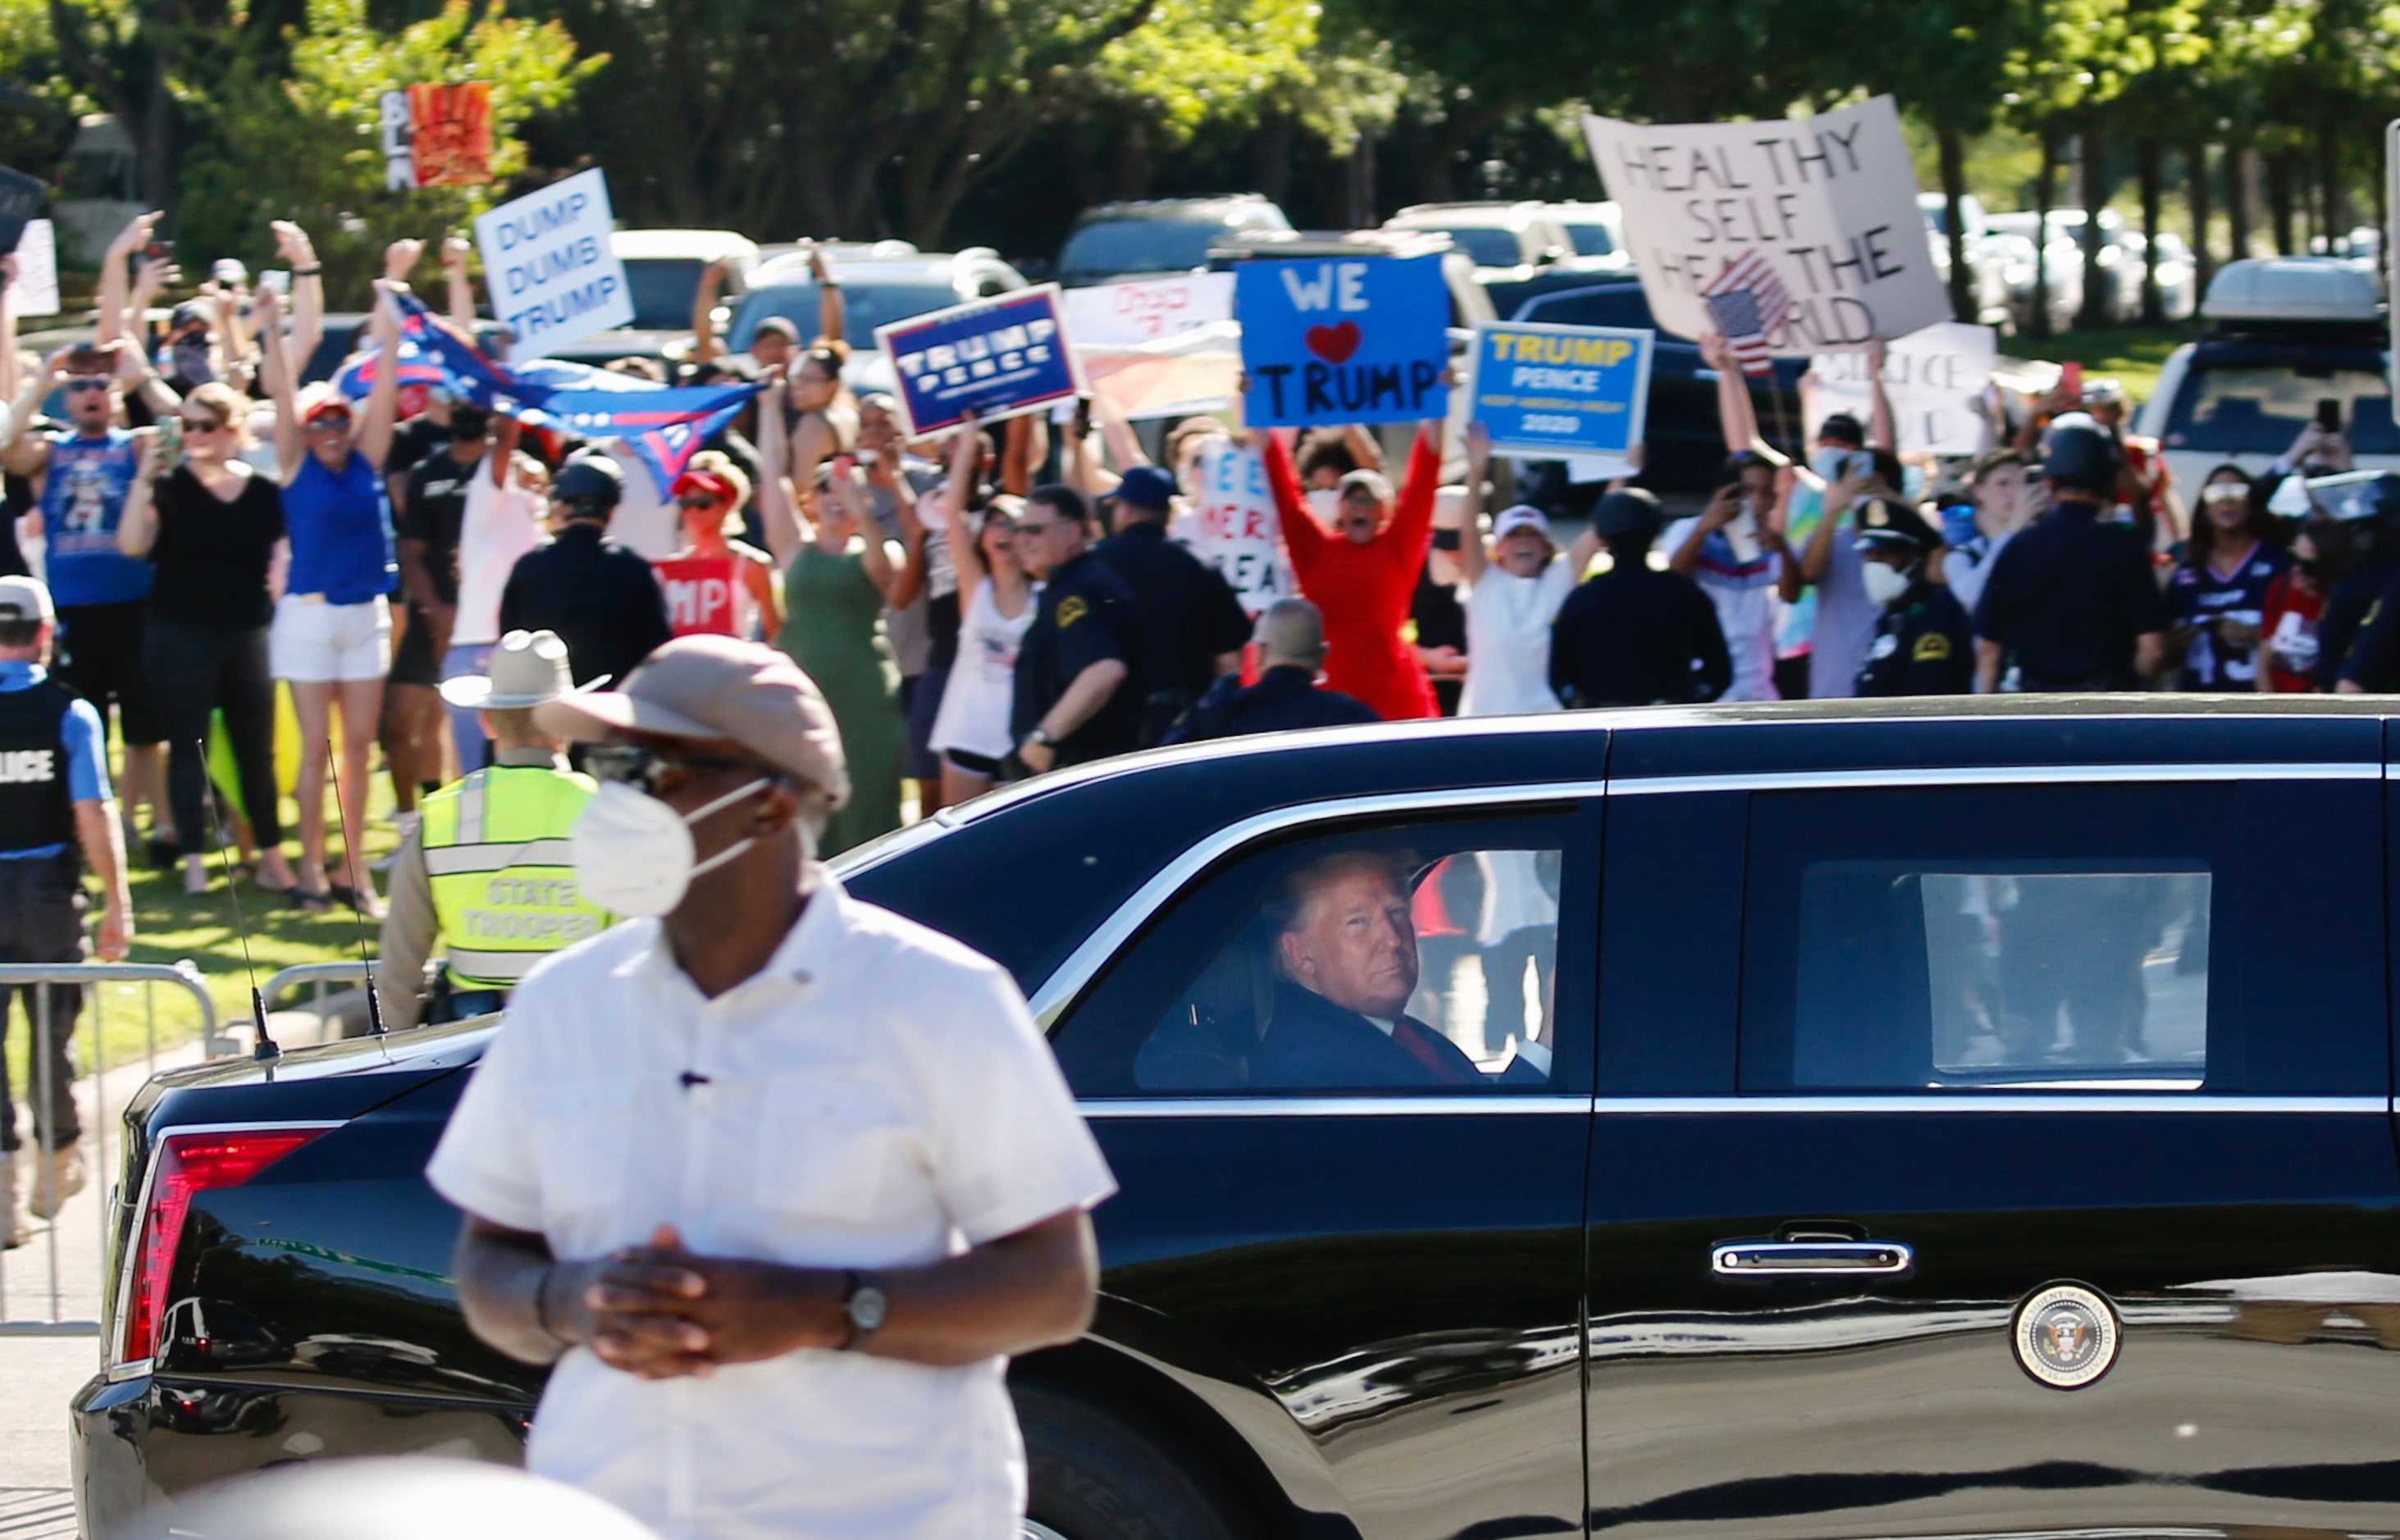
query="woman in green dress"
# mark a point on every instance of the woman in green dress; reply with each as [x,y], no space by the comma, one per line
[839,578]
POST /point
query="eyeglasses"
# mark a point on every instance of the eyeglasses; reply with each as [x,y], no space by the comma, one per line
[648,770]
[91,382]
[201,425]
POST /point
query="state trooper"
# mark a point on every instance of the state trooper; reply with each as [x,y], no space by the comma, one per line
[1922,644]
[488,867]
[54,803]
[2072,596]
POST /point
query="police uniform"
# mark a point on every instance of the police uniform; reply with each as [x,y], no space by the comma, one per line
[1922,644]
[1085,615]
[489,867]
[1189,618]
[52,757]
[1633,637]
[2356,635]
[2069,595]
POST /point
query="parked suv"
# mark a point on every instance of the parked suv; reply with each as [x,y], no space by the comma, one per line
[1942,1121]
[1160,236]
[2287,335]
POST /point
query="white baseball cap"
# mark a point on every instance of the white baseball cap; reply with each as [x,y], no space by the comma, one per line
[1511,520]
[25,599]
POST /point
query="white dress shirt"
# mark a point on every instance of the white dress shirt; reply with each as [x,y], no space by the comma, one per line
[877,1095]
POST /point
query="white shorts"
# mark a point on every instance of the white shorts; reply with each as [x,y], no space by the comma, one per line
[316,642]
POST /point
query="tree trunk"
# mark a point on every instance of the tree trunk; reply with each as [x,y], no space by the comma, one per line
[2152,176]
[1130,176]
[2335,196]
[1965,304]
[1361,183]
[1270,157]
[2240,176]
[2382,182]
[2279,199]
[2045,187]
[2195,182]
[2099,300]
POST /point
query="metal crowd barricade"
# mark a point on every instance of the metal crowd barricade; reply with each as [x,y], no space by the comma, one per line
[99,1140]
[318,974]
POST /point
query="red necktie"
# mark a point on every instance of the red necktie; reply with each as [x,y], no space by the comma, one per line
[1422,1047]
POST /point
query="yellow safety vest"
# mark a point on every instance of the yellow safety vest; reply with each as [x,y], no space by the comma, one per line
[504,888]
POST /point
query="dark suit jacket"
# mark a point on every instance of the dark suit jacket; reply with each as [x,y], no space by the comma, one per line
[1315,1045]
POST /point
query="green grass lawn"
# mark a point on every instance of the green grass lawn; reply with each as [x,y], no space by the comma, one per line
[2133,354]
[171,926]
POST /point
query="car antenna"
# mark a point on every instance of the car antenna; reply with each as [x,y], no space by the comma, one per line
[266,1052]
[358,916]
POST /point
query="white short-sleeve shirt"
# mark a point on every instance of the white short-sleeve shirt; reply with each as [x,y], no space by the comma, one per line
[877,1097]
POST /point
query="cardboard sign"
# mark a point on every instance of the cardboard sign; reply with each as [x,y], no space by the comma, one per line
[546,259]
[1830,201]
[700,594]
[1234,529]
[398,127]
[35,292]
[991,357]
[450,140]
[1338,340]
[1936,378]
[1551,391]
[1126,315]
[20,198]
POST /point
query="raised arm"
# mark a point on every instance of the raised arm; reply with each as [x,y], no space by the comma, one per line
[704,346]
[374,436]
[1117,433]
[1881,431]
[9,371]
[1303,536]
[282,392]
[966,461]
[1411,531]
[137,528]
[461,299]
[1737,414]
[291,243]
[24,456]
[911,578]
[777,516]
[1473,554]
[890,579]
[1025,446]
[1366,449]
[109,324]
[1084,469]
[832,314]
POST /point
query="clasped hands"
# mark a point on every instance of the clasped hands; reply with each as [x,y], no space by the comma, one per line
[661,1311]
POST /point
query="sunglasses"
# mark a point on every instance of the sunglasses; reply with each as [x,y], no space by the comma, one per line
[1037,530]
[695,499]
[329,422]
[95,382]
[201,425]
[648,770]
[2224,492]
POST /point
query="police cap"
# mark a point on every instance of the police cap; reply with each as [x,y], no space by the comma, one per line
[1632,512]
[589,479]
[1887,524]
[2080,453]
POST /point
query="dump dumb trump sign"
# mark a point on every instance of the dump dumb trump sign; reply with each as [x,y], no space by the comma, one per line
[1343,340]
[1829,201]
[546,259]
[1550,392]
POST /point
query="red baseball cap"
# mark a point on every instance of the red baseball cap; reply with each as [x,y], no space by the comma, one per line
[707,482]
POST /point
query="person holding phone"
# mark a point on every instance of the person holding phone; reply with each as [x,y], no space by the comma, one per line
[1734,551]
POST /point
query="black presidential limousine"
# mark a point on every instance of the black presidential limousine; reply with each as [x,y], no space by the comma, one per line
[1820,1121]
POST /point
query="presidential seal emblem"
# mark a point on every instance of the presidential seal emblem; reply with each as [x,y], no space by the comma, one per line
[2066,1335]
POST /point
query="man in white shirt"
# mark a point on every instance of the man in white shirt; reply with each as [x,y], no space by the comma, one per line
[1734,552]
[778,1179]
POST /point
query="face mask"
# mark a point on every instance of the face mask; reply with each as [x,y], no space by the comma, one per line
[1883,583]
[191,360]
[633,853]
[1830,463]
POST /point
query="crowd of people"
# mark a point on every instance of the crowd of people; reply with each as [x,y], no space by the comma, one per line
[1018,596]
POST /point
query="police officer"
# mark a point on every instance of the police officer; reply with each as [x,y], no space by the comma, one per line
[1291,650]
[2073,595]
[1634,637]
[602,599]
[1078,670]
[488,865]
[54,802]
[1192,628]
[1923,645]
[2358,641]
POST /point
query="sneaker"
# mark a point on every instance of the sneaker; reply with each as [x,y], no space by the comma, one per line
[54,1187]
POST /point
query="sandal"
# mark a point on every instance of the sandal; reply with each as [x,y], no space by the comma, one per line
[364,904]
[312,903]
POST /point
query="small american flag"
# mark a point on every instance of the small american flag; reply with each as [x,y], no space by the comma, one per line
[1746,301]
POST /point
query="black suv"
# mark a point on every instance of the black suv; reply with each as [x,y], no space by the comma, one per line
[1969,1118]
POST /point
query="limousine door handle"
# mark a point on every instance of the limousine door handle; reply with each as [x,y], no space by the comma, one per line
[1811,1259]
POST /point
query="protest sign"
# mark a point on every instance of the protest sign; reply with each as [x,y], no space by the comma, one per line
[1234,529]
[20,199]
[548,265]
[450,140]
[1115,315]
[1340,340]
[1830,201]
[36,289]
[1181,374]
[988,358]
[398,127]
[1551,391]
[1936,378]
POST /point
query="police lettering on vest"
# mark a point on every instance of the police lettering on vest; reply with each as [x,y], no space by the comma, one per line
[36,809]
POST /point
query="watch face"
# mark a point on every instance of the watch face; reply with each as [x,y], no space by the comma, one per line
[866,1309]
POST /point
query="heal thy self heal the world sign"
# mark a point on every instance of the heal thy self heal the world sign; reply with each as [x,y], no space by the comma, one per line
[1830,201]
[1343,340]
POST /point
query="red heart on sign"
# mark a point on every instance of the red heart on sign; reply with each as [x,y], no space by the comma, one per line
[1334,343]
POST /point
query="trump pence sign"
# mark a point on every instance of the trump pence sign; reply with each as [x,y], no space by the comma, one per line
[1551,391]
[987,359]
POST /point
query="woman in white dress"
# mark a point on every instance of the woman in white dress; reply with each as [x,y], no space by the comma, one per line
[971,729]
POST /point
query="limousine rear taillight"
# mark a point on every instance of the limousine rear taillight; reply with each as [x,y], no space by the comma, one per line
[187,1163]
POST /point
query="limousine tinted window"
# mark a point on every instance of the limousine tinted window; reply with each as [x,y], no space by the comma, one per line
[1406,959]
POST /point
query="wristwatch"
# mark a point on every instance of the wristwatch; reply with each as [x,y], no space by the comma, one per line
[1039,735]
[866,1305]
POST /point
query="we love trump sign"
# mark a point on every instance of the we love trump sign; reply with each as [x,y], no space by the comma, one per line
[1343,340]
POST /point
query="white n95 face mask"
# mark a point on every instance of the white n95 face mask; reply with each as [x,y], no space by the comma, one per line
[633,853]
[1883,583]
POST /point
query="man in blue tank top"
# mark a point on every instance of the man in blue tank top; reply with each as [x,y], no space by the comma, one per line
[80,475]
